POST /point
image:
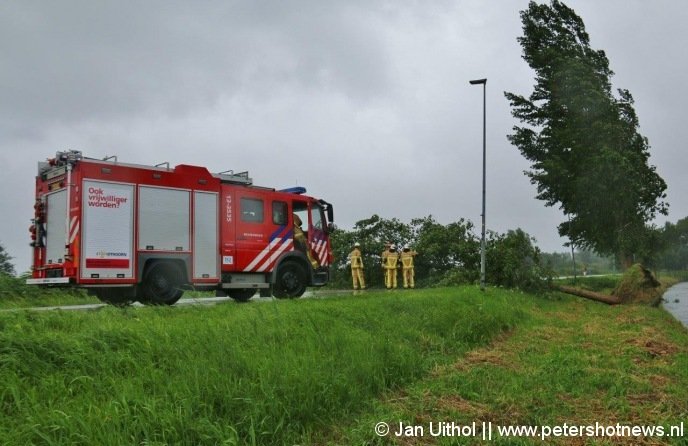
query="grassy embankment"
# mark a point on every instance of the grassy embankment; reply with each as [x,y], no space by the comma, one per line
[15,293]
[263,373]
[326,371]
[570,361]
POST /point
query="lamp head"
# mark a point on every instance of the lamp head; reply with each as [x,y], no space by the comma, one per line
[478,81]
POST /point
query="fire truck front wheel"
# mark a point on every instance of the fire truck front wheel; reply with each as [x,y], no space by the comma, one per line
[291,280]
[162,284]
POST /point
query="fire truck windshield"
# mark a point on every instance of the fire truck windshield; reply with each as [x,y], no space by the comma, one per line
[316,217]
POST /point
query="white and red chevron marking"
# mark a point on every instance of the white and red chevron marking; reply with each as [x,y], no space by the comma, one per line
[73,229]
[320,249]
[287,245]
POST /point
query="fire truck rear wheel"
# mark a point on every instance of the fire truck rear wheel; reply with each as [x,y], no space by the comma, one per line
[241,294]
[291,281]
[162,284]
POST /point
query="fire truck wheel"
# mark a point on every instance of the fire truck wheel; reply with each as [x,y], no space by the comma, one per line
[242,294]
[291,281]
[162,284]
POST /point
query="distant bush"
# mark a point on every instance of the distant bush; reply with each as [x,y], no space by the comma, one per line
[457,277]
[12,287]
[513,261]
[6,266]
[15,292]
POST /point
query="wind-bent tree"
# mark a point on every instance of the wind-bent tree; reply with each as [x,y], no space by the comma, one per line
[587,155]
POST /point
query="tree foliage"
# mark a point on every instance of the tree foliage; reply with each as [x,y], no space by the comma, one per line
[446,248]
[674,241]
[448,254]
[587,155]
[513,261]
[6,266]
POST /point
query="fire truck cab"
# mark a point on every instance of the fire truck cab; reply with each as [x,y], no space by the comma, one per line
[132,232]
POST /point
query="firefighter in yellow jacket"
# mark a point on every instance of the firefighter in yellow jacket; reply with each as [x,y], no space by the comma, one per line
[390,264]
[383,256]
[356,259]
[407,271]
[301,242]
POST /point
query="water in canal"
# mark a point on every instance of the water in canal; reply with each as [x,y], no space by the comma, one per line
[676,301]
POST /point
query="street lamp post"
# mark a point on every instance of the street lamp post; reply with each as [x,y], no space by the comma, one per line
[482,82]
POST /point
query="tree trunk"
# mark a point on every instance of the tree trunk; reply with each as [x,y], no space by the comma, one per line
[605,298]
[626,260]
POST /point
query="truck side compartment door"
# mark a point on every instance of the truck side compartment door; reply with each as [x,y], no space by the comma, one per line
[108,230]
[205,236]
[164,219]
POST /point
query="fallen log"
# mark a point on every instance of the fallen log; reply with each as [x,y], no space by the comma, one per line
[605,298]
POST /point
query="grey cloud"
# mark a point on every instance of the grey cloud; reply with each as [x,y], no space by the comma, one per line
[343,97]
[73,61]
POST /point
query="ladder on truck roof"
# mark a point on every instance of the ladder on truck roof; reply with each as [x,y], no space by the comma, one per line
[72,156]
[228,176]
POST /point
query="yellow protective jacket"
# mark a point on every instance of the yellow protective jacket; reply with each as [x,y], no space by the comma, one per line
[356,258]
[391,260]
[407,259]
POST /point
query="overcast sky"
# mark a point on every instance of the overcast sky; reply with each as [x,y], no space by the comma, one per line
[365,103]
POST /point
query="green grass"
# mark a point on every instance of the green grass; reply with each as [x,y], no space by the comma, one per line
[282,372]
[15,293]
[570,361]
[325,371]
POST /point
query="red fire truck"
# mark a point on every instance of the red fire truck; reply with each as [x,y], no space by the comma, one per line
[132,232]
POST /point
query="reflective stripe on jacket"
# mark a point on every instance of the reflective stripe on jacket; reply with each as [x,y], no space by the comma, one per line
[391,260]
[407,258]
[356,259]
